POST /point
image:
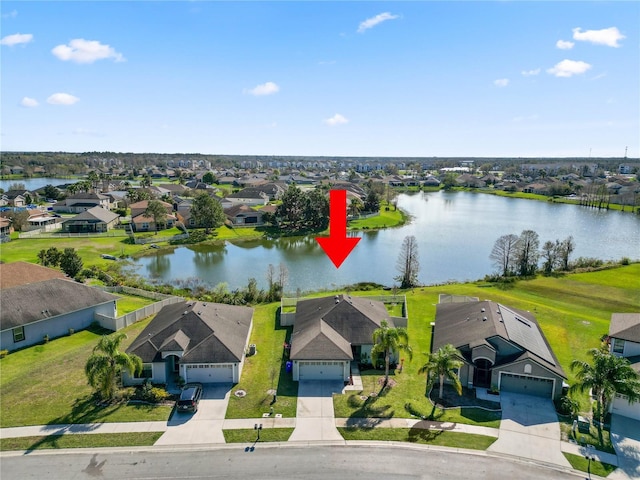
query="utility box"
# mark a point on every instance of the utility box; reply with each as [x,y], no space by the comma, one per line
[583,424]
[252,349]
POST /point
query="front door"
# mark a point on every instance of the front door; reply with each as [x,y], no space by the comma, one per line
[482,373]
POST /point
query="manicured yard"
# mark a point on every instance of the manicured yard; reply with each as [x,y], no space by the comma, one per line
[387,218]
[597,468]
[591,438]
[247,435]
[130,303]
[265,373]
[46,384]
[419,435]
[92,440]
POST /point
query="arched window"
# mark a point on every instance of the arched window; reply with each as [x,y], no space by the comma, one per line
[527,368]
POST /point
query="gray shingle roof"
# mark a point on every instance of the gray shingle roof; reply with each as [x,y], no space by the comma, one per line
[25,304]
[94,213]
[466,324]
[205,332]
[329,324]
[625,326]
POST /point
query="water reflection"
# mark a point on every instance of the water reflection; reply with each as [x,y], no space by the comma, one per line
[455,233]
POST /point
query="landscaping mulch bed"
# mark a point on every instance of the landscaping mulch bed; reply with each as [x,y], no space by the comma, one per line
[452,399]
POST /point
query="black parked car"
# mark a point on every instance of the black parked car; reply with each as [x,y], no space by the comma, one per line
[189,397]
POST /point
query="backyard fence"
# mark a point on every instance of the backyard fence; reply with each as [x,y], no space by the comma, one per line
[123,321]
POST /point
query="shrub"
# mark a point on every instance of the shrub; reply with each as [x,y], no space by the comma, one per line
[625,261]
[71,331]
[45,339]
[567,406]
[4,353]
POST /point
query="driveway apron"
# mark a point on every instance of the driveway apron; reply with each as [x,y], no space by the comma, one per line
[204,426]
[529,429]
[625,437]
[315,417]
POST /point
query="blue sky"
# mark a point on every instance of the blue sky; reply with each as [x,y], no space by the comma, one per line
[521,79]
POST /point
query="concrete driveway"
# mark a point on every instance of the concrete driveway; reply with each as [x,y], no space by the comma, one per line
[625,437]
[204,426]
[529,429]
[315,418]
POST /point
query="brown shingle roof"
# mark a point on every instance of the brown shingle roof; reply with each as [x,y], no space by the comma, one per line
[207,333]
[21,273]
[625,326]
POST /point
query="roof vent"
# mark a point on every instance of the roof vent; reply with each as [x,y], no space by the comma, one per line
[185,312]
[482,310]
[484,319]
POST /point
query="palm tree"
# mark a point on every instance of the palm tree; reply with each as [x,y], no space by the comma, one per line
[106,363]
[355,206]
[444,364]
[388,340]
[606,376]
[157,211]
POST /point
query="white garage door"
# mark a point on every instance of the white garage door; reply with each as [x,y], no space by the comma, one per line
[621,406]
[321,370]
[210,373]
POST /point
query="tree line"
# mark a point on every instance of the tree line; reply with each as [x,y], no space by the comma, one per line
[520,256]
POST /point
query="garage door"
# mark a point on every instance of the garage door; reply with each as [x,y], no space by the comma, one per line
[321,370]
[621,406]
[210,373]
[540,387]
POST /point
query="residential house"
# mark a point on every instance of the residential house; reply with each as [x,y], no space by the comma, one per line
[6,229]
[624,341]
[17,198]
[39,220]
[248,196]
[198,341]
[331,332]
[243,215]
[144,223]
[501,347]
[82,201]
[94,220]
[39,301]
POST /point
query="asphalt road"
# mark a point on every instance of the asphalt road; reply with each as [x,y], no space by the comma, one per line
[271,462]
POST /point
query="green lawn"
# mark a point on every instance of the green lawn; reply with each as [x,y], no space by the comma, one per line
[265,372]
[46,384]
[419,435]
[592,438]
[130,303]
[91,440]
[247,435]
[597,468]
[387,218]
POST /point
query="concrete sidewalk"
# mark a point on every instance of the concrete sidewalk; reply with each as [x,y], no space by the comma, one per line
[45,430]
[415,423]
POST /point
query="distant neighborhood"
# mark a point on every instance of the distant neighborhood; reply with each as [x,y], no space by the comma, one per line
[109,192]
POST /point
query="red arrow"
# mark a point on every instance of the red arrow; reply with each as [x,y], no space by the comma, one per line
[337,245]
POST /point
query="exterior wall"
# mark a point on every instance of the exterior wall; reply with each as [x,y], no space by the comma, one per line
[536,371]
[466,375]
[631,349]
[158,375]
[621,406]
[504,348]
[483,351]
[55,326]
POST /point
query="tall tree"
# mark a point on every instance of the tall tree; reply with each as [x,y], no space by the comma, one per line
[207,212]
[565,249]
[503,254]
[443,364]
[388,340]
[355,205]
[291,211]
[372,201]
[604,377]
[550,255]
[408,264]
[209,178]
[527,253]
[156,210]
[70,262]
[17,186]
[104,366]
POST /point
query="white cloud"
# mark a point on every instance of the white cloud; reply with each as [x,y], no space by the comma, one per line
[564,44]
[268,88]
[62,99]
[11,14]
[529,73]
[80,50]
[373,21]
[526,118]
[606,36]
[501,82]
[569,68]
[29,102]
[337,119]
[16,39]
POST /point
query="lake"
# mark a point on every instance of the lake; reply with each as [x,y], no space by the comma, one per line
[455,231]
[36,183]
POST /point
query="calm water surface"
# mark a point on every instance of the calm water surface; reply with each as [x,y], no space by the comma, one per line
[455,233]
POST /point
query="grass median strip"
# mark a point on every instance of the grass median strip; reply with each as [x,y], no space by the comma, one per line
[419,435]
[249,435]
[91,440]
[597,468]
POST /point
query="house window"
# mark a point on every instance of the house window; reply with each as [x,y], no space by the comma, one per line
[147,371]
[618,345]
[18,334]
